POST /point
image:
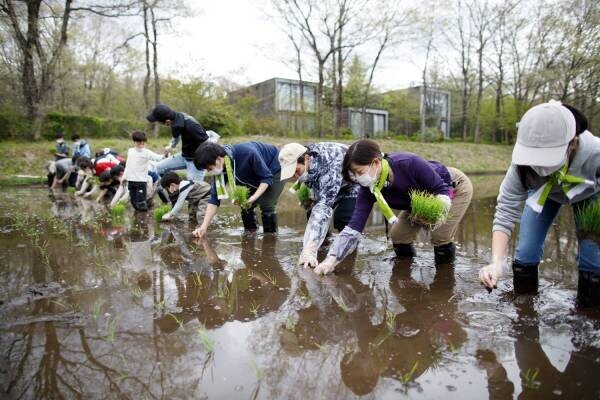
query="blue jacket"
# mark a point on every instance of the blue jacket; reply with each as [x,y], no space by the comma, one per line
[253,163]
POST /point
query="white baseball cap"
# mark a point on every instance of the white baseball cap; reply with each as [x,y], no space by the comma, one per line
[288,158]
[543,135]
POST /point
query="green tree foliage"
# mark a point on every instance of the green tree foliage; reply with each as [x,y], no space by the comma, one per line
[357,80]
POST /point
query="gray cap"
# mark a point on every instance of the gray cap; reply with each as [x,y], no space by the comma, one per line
[543,135]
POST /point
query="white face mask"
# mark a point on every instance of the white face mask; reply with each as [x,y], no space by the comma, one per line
[547,171]
[366,179]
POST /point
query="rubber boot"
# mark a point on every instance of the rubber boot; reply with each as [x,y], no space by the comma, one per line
[403,250]
[525,278]
[269,221]
[444,254]
[249,220]
[588,289]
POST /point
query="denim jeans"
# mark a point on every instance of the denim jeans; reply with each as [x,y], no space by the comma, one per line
[534,228]
[177,162]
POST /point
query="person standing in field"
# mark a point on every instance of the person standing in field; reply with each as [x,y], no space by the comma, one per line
[139,182]
[388,180]
[186,129]
[556,161]
[252,165]
[319,167]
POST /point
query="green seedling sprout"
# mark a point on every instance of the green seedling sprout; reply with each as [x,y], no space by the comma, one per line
[529,378]
[303,193]
[425,208]
[390,321]
[207,342]
[160,211]
[111,325]
[406,378]
[71,190]
[239,196]
[254,308]
[588,219]
[118,209]
[179,321]
[258,372]
[341,303]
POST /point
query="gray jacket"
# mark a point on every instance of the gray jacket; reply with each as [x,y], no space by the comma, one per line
[586,164]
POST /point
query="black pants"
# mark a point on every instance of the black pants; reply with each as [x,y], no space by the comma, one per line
[137,195]
[342,212]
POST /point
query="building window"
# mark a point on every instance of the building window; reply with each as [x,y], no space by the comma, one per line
[288,97]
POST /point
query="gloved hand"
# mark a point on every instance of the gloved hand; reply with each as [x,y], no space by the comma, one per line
[491,273]
[308,258]
[327,266]
[167,217]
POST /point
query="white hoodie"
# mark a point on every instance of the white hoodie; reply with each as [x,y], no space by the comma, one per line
[138,161]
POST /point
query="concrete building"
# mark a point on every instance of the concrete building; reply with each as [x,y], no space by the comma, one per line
[294,106]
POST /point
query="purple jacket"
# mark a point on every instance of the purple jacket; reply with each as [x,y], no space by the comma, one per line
[410,172]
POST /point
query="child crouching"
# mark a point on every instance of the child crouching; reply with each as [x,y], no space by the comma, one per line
[195,193]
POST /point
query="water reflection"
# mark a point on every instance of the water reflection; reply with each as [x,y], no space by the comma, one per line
[93,307]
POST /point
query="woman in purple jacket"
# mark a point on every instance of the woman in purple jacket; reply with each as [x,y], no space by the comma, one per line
[387,180]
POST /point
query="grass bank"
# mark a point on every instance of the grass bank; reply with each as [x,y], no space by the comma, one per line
[29,158]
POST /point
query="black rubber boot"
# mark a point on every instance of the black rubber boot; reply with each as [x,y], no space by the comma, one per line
[444,254]
[269,222]
[588,289]
[525,278]
[249,220]
[403,250]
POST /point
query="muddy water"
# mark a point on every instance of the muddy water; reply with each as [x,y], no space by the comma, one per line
[96,308]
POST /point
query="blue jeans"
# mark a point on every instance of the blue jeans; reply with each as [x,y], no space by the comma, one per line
[177,162]
[533,230]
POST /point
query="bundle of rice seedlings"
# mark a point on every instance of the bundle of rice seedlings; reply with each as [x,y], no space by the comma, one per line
[303,193]
[118,209]
[71,190]
[588,220]
[426,209]
[160,211]
[240,196]
[52,150]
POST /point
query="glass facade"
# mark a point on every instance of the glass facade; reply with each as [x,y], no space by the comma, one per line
[289,99]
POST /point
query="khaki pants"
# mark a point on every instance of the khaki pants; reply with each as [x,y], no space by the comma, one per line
[198,200]
[405,232]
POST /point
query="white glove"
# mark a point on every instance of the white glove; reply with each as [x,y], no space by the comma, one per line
[327,266]
[308,259]
[166,217]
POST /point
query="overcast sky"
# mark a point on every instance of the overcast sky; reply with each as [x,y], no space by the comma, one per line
[237,39]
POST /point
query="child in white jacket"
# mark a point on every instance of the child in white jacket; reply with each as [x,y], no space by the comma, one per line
[136,171]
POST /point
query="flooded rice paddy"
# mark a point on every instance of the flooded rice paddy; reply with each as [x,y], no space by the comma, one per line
[99,308]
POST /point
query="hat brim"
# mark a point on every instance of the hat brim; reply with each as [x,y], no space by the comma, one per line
[538,156]
[287,171]
[151,118]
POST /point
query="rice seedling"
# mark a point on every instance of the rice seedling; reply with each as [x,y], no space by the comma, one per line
[258,372]
[137,292]
[290,324]
[239,196]
[207,341]
[97,309]
[426,209]
[390,321]
[111,325]
[197,279]
[271,278]
[160,305]
[254,308]
[588,218]
[118,209]
[529,378]
[406,378]
[341,303]
[303,193]
[160,211]
[71,190]
[179,321]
